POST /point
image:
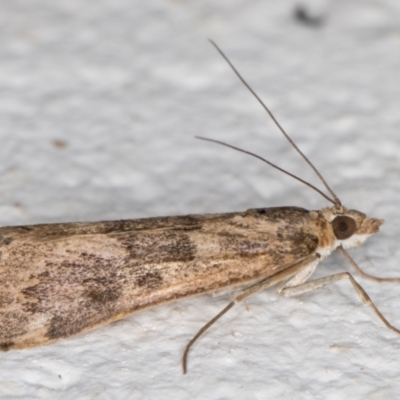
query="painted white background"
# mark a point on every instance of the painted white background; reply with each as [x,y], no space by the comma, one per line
[126,85]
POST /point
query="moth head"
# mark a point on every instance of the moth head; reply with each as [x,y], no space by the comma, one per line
[351,227]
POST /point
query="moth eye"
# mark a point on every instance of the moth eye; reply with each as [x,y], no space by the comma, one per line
[343,227]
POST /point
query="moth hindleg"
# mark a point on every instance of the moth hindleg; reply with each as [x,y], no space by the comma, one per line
[261,284]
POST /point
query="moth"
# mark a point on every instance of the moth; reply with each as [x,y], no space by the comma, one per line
[60,280]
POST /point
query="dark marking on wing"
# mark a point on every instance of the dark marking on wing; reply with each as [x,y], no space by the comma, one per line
[150,279]
[158,247]
[44,232]
[5,346]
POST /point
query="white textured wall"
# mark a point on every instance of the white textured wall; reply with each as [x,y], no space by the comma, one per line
[126,84]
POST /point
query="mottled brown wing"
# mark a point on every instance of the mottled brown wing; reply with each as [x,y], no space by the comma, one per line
[62,279]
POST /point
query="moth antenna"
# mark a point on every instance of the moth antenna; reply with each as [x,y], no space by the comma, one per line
[336,199]
[271,164]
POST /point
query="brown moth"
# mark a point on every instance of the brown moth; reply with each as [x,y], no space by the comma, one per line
[59,280]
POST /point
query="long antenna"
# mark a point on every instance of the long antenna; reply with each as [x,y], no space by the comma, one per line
[336,199]
[269,163]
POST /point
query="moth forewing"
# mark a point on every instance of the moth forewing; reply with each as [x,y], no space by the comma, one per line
[59,280]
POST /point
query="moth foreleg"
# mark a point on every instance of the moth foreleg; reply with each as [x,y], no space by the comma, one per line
[346,255]
[288,291]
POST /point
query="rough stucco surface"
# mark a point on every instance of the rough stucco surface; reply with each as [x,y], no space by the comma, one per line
[100,101]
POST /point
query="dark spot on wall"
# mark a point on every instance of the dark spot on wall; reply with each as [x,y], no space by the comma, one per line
[59,144]
[307,17]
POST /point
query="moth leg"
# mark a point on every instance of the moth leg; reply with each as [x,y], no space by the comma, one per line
[318,283]
[300,277]
[254,288]
[299,272]
[200,332]
[346,255]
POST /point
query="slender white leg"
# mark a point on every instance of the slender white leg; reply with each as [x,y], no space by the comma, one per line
[301,276]
[299,272]
[296,290]
[318,283]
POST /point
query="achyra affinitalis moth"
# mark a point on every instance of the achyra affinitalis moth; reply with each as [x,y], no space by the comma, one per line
[59,280]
